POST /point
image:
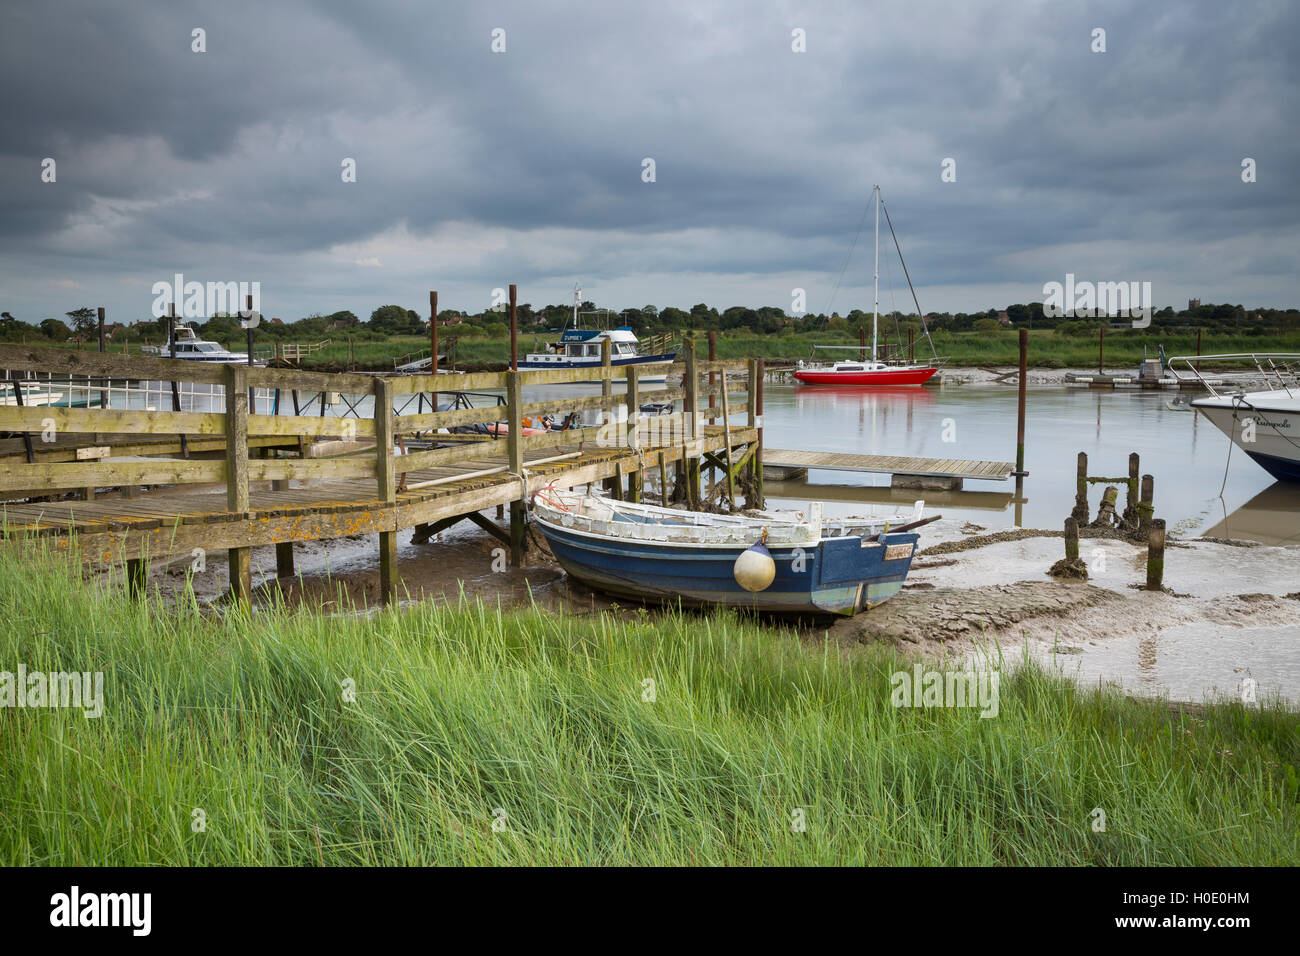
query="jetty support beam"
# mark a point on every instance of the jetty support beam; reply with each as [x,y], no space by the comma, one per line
[240,559]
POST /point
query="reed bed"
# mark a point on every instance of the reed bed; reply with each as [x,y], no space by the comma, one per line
[530,737]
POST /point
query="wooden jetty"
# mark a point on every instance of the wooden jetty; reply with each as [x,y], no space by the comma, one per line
[780,464]
[279,490]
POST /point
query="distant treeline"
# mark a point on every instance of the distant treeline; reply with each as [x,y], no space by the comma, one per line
[390,320]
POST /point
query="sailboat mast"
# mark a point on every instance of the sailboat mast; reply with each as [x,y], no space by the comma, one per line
[875,311]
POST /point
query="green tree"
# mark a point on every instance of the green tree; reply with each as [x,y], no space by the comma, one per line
[84,320]
[56,330]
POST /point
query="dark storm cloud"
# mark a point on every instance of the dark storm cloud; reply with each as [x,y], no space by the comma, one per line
[227,163]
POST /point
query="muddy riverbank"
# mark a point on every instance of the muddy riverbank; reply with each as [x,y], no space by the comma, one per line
[1229,612]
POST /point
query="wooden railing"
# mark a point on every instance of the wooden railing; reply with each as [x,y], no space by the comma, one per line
[45,424]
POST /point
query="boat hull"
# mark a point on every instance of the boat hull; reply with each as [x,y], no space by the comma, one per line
[836,576]
[883,377]
[641,361]
[1260,426]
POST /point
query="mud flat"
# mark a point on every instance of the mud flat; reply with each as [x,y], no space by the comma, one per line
[1229,613]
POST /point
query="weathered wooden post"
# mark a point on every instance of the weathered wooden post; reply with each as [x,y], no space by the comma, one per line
[691,464]
[634,478]
[1101,349]
[1020,412]
[103,396]
[1131,491]
[386,475]
[137,577]
[1156,555]
[751,420]
[1071,539]
[758,452]
[433,348]
[240,559]
[713,381]
[252,395]
[1080,512]
[515,450]
[1146,506]
[613,484]
[514,332]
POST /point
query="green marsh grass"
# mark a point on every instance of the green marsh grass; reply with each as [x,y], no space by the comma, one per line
[462,711]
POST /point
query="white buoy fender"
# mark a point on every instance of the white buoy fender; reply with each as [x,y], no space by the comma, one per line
[754,569]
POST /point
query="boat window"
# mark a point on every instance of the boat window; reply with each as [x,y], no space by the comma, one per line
[850,368]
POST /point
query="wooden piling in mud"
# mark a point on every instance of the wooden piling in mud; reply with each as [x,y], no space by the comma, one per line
[239,559]
[1080,512]
[1146,505]
[758,424]
[1156,555]
[515,453]
[634,478]
[387,479]
[1071,539]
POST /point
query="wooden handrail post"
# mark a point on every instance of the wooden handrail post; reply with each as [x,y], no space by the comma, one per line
[514,332]
[386,475]
[1020,411]
[634,479]
[606,373]
[690,382]
[240,559]
[515,452]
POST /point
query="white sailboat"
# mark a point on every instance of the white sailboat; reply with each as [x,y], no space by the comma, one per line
[874,372]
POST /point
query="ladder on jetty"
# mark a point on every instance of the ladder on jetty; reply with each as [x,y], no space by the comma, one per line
[906,472]
[279,490]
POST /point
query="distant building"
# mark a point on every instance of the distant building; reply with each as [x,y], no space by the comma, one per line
[1004,318]
[1193,304]
[450,319]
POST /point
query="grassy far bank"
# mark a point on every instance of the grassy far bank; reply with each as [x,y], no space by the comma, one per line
[1047,349]
[1124,348]
[461,713]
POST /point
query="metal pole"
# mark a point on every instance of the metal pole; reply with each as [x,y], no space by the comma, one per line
[1101,350]
[875,311]
[252,395]
[1020,412]
[433,344]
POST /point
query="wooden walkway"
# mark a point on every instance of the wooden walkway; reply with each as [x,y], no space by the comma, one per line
[240,480]
[889,464]
[176,520]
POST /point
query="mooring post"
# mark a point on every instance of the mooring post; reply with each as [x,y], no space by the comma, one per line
[1071,539]
[1020,412]
[515,450]
[758,422]
[1156,555]
[1101,349]
[176,391]
[1146,506]
[137,577]
[103,396]
[514,332]
[433,348]
[1080,512]
[240,559]
[386,475]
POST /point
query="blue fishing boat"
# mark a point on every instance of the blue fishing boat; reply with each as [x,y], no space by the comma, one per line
[776,562]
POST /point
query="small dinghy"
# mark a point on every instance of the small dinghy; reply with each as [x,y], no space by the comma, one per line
[772,561]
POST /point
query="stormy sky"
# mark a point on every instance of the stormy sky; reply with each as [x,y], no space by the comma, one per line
[477,168]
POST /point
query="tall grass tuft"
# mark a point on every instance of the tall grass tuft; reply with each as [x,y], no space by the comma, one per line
[481,737]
